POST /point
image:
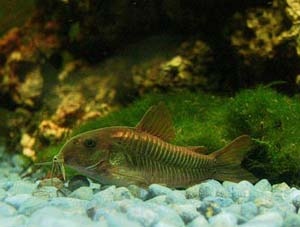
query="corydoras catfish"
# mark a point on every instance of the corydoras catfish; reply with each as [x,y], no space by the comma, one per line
[142,155]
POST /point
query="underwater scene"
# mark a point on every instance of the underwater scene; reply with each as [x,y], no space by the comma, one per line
[139,113]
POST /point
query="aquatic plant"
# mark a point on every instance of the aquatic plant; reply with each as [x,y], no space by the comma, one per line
[273,120]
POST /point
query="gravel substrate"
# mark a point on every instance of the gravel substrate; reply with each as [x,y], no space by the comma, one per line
[24,203]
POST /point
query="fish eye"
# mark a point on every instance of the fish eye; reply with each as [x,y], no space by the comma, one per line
[89,143]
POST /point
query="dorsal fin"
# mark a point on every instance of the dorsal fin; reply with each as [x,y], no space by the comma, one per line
[198,149]
[157,121]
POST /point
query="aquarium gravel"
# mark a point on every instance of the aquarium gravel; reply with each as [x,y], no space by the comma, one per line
[24,203]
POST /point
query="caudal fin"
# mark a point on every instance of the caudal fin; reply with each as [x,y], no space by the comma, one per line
[229,158]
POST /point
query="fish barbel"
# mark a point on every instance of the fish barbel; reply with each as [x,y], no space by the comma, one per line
[142,155]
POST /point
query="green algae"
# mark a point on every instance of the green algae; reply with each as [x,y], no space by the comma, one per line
[270,118]
[273,121]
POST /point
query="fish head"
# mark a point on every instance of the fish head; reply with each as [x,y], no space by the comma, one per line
[88,153]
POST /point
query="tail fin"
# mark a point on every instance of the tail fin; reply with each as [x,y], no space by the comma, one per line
[229,158]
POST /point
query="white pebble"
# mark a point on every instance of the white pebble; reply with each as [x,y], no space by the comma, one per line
[223,220]
[270,219]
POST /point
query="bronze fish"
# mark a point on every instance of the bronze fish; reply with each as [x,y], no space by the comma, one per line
[142,155]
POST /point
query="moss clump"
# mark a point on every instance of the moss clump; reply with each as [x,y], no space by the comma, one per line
[270,118]
[273,120]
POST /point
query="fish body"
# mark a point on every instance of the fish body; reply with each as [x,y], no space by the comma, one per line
[143,155]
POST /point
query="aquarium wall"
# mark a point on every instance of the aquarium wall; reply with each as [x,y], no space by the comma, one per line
[66,62]
[222,69]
